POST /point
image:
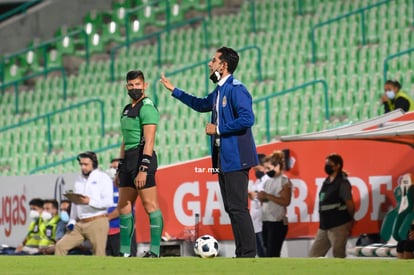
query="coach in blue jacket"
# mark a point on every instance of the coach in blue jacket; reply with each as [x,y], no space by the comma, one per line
[233,147]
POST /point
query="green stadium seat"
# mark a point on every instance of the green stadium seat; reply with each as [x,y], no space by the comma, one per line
[145,15]
[93,21]
[66,46]
[12,70]
[32,58]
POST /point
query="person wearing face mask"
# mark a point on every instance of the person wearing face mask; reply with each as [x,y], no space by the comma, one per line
[138,165]
[394,98]
[256,206]
[65,210]
[113,241]
[30,244]
[275,197]
[336,211]
[88,219]
[233,150]
[52,228]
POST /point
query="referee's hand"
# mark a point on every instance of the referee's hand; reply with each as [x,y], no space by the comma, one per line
[140,180]
[166,82]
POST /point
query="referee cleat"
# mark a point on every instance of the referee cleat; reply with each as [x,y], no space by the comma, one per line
[150,254]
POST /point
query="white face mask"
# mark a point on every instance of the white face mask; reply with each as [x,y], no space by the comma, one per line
[46,215]
[34,214]
[111,172]
[390,94]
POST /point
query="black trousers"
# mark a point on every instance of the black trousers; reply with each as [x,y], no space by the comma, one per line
[274,233]
[233,187]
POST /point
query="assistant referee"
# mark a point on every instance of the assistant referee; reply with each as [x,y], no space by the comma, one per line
[138,165]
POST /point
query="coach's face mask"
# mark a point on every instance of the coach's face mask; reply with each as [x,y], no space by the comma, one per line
[135,94]
[215,77]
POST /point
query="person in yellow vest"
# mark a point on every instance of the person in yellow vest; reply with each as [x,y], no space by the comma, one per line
[394,98]
[52,228]
[30,244]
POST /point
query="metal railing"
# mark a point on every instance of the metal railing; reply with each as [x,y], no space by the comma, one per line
[267,98]
[72,158]
[17,82]
[330,21]
[19,9]
[207,70]
[44,48]
[392,56]
[47,117]
[158,37]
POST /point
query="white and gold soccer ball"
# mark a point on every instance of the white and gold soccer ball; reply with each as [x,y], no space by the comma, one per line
[206,246]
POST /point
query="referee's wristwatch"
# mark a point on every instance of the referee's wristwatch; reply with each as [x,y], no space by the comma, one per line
[143,169]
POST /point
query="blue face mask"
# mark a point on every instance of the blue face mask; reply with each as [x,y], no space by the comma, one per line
[64,216]
[390,94]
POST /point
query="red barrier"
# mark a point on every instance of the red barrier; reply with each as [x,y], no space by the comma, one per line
[373,167]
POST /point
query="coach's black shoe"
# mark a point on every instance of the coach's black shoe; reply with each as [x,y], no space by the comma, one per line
[150,254]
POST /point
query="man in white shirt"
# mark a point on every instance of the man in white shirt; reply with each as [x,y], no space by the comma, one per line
[88,220]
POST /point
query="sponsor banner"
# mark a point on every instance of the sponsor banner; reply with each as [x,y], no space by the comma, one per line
[15,195]
[190,188]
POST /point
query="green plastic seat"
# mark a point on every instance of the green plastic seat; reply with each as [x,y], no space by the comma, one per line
[12,70]
[111,33]
[66,44]
[93,21]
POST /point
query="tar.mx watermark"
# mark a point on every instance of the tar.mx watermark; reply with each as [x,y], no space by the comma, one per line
[205,170]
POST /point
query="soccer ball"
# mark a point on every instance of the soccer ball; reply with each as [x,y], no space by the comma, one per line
[206,246]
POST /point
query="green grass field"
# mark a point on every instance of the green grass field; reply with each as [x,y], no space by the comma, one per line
[192,265]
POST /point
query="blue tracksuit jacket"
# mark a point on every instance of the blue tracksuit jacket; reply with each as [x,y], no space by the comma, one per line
[237,150]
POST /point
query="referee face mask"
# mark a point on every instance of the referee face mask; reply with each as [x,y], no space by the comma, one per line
[135,94]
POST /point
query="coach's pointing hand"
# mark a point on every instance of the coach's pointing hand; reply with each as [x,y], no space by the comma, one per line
[166,82]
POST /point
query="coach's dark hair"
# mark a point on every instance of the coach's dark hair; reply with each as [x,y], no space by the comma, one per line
[90,155]
[230,56]
[394,83]
[131,75]
[36,202]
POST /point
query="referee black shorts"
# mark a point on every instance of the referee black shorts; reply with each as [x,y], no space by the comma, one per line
[128,168]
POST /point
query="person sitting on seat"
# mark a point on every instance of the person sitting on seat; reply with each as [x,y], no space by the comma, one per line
[52,228]
[394,98]
[30,244]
